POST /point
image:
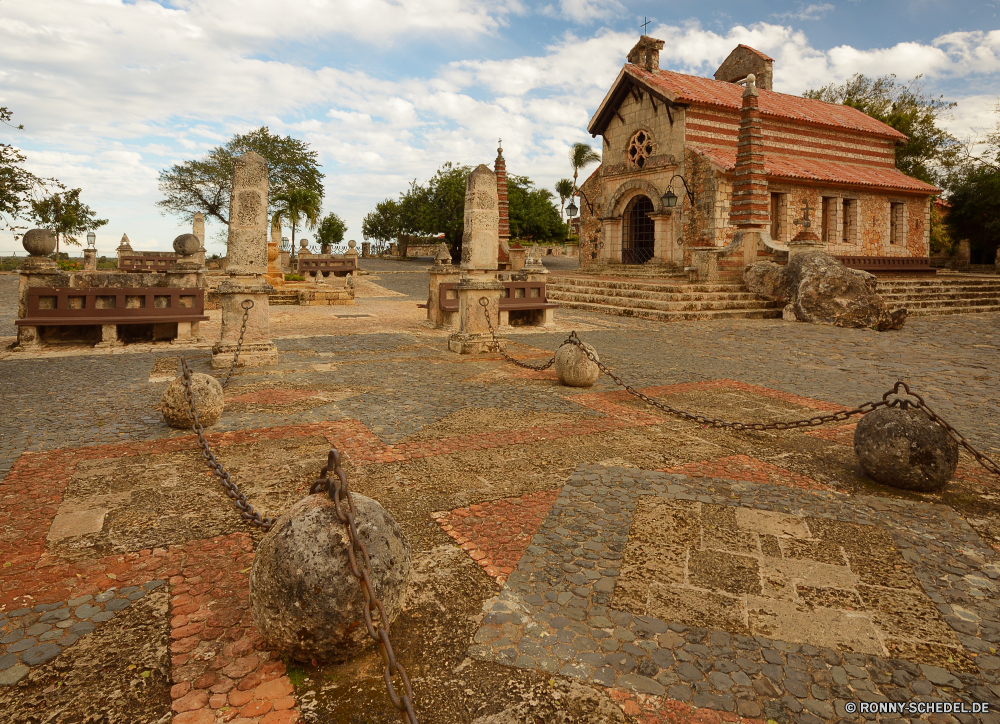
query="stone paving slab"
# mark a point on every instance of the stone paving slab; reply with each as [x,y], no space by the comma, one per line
[597,597]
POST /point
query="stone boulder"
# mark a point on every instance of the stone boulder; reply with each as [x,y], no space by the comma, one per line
[905,449]
[821,290]
[560,702]
[208,397]
[303,596]
[574,368]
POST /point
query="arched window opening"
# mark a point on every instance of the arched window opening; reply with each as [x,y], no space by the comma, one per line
[638,243]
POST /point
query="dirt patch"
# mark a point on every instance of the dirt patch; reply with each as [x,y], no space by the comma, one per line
[119,674]
[285,398]
[471,420]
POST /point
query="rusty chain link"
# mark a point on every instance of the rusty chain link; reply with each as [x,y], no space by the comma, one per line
[841,416]
[239,342]
[336,487]
[247,511]
[484,303]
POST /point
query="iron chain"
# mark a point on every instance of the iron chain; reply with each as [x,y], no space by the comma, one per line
[247,305]
[335,486]
[841,416]
[484,303]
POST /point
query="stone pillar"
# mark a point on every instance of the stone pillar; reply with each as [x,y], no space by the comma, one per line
[352,252]
[517,256]
[749,210]
[963,255]
[503,224]
[198,229]
[246,262]
[274,275]
[480,244]
[535,271]
[90,259]
[36,271]
[124,247]
[366,249]
[187,273]
[441,272]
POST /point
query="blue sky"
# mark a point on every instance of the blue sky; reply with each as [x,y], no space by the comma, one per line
[386,91]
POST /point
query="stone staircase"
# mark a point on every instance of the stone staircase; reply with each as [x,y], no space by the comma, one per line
[283,298]
[661,301]
[942,295]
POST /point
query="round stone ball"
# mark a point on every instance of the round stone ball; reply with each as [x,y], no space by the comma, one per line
[574,368]
[208,401]
[905,449]
[352,243]
[303,597]
[39,242]
[186,244]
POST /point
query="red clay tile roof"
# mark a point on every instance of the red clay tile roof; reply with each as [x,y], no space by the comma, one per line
[711,92]
[793,167]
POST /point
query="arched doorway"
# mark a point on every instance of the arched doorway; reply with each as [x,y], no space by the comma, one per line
[637,244]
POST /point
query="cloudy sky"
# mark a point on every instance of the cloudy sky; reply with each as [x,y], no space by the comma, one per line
[111,92]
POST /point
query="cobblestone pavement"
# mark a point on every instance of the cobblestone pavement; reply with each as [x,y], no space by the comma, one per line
[686,573]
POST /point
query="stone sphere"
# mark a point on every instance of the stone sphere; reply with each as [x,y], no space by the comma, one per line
[186,244]
[208,401]
[39,242]
[905,449]
[574,368]
[352,243]
[303,597]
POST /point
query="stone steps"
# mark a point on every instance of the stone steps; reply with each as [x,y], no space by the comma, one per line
[283,298]
[663,302]
[925,297]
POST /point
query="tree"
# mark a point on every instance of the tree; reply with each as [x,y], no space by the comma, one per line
[975,196]
[564,189]
[330,230]
[18,186]
[929,150]
[205,185]
[297,206]
[533,215]
[382,225]
[66,215]
[580,156]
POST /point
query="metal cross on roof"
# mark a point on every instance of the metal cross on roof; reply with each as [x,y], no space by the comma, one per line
[644,24]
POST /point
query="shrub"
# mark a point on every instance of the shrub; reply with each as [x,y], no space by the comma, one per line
[294,278]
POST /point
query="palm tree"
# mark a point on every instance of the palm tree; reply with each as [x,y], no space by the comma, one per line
[298,205]
[581,155]
[564,189]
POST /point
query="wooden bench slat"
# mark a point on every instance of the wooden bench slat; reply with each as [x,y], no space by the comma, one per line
[63,315]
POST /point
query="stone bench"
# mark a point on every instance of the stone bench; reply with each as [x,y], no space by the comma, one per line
[526,300]
[174,312]
[314,266]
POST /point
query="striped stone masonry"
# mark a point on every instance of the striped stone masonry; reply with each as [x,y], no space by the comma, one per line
[500,168]
[750,208]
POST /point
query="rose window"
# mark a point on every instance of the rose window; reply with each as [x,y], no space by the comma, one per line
[639,149]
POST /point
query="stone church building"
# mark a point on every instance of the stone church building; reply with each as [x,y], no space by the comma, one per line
[750,158]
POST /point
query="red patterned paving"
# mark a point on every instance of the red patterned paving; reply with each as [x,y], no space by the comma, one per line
[651,709]
[496,533]
[744,467]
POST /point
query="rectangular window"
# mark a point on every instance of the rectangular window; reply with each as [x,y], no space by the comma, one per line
[830,219]
[895,223]
[849,223]
[779,206]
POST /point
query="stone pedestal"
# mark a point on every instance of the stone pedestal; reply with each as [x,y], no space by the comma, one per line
[274,275]
[805,240]
[36,271]
[109,337]
[366,249]
[90,259]
[517,257]
[473,336]
[187,273]
[352,252]
[441,274]
[258,350]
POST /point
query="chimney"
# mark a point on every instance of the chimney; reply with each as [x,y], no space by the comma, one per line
[749,208]
[646,53]
[500,168]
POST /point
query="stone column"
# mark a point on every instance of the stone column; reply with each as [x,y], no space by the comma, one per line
[246,263]
[535,271]
[36,271]
[198,229]
[480,244]
[441,272]
[366,249]
[274,275]
[90,259]
[187,273]
[352,252]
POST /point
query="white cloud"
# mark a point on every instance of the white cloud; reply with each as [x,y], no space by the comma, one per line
[809,12]
[584,11]
[112,92]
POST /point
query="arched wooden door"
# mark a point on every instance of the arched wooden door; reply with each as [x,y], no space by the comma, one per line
[638,242]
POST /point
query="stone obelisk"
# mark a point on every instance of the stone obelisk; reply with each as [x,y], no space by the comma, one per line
[480,244]
[198,229]
[246,263]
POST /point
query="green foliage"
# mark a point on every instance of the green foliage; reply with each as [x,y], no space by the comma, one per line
[297,206]
[18,187]
[533,216]
[929,150]
[205,184]
[564,190]
[941,238]
[294,278]
[439,208]
[66,215]
[975,207]
[580,156]
[331,229]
